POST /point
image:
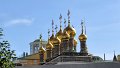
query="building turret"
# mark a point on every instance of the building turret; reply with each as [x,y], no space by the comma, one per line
[69,29]
[75,44]
[65,40]
[83,38]
[42,52]
[49,47]
[52,36]
[60,32]
[55,42]
[57,45]
[71,44]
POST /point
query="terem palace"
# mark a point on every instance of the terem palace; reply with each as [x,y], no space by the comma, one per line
[61,47]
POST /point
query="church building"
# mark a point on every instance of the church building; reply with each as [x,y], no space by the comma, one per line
[61,46]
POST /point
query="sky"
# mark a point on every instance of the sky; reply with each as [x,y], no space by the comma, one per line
[24,20]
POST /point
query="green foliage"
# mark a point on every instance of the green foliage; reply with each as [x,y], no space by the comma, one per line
[1,31]
[6,54]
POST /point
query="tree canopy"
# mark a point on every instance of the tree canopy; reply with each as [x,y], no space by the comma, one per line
[6,54]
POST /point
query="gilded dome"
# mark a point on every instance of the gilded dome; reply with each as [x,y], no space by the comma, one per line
[49,45]
[70,30]
[42,49]
[59,34]
[55,40]
[52,39]
[75,42]
[82,37]
[65,35]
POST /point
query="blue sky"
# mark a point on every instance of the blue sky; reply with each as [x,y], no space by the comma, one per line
[24,20]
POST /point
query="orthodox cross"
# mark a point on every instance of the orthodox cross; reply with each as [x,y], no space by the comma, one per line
[41,39]
[60,18]
[48,33]
[52,27]
[56,28]
[65,22]
[68,15]
[82,25]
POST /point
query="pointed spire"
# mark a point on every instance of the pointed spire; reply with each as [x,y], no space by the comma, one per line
[52,27]
[65,22]
[82,25]
[68,17]
[41,39]
[41,46]
[85,29]
[114,58]
[60,18]
[56,28]
[48,34]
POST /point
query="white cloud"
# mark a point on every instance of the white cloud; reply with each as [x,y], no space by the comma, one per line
[19,22]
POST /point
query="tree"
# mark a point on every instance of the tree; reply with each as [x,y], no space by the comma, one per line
[1,31]
[6,54]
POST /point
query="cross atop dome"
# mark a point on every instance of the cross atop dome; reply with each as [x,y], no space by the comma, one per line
[48,33]
[65,22]
[68,17]
[60,18]
[56,28]
[68,14]
[52,27]
[41,39]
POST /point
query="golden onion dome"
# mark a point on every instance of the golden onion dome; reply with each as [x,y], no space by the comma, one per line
[49,45]
[52,39]
[70,30]
[57,40]
[82,37]
[59,34]
[75,42]
[65,35]
[42,49]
